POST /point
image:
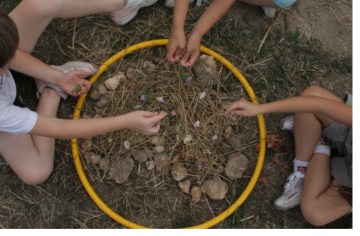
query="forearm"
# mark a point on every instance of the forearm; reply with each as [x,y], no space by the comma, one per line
[29,65]
[180,11]
[214,13]
[70,129]
[337,111]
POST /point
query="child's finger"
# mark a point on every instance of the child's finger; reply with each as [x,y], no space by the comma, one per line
[158,118]
[80,73]
[185,58]
[178,53]
[192,59]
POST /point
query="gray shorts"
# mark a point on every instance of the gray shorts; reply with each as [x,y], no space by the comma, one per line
[340,138]
[284,3]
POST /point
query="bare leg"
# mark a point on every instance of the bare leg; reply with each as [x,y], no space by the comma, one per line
[321,204]
[307,126]
[32,16]
[32,157]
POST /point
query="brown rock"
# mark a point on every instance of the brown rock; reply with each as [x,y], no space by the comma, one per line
[102,103]
[166,169]
[215,188]
[97,116]
[87,156]
[185,186]
[86,145]
[142,156]
[86,116]
[149,67]
[121,170]
[179,172]
[159,149]
[112,83]
[130,73]
[196,194]
[235,142]
[236,165]
[95,159]
[228,132]
[157,141]
[205,71]
[104,164]
[160,161]
[97,92]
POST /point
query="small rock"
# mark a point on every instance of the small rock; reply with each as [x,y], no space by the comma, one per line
[226,147]
[121,170]
[87,156]
[159,60]
[97,92]
[112,83]
[178,158]
[86,145]
[179,172]
[149,67]
[150,165]
[196,194]
[102,102]
[159,149]
[142,156]
[97,116]
[205,71]
[185,186]
[235,141]
[236,165]
[104,164]
[215,188]
[160,161]
[130,73]
[95,159]
[166,169]
[99,111]
[228,132]
[156,141]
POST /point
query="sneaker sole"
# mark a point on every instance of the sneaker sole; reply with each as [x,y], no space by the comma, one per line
[281,125]
[285,208]
[132,15]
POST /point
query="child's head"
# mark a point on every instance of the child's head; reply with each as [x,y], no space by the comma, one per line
[9,39]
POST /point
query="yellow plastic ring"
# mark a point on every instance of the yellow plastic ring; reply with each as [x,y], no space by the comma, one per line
[259,164]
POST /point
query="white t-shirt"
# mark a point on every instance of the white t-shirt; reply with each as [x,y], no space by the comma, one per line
[13,119]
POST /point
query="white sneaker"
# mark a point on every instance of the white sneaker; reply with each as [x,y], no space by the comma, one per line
[292,193]
[129,11]
[269,11]
[287,124]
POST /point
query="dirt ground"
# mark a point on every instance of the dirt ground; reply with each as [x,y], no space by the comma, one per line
[308,44]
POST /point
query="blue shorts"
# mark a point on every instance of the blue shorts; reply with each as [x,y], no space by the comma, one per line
[284,3]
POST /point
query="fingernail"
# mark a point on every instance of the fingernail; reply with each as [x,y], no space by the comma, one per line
[156,113]
[177,57]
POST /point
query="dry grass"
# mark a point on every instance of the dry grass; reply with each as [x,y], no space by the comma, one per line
[287,63]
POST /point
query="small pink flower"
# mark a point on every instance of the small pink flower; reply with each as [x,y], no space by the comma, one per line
[200,163]
[189,79]
[173,113]
[142,98]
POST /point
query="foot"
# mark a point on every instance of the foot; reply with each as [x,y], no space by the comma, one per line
[292,192]
[67,67]
[269,11]
[287,124]
[130,10]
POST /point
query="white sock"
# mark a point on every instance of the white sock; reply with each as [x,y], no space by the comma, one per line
[300,165]
[323,147]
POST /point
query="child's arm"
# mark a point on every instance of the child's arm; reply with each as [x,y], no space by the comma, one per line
[215,11]
[29,65]
[337,111]
[177,39]
[139,121]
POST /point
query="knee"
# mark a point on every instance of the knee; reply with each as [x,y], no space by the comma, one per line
[312,91]
[312,214]
[36,176]
[117,5]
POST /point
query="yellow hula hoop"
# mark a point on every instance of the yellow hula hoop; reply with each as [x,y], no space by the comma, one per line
[259,164]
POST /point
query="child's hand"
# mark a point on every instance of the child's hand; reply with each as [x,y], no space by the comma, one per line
[71,80]
[242,108]
[176,45]
[145,122]
[192,50]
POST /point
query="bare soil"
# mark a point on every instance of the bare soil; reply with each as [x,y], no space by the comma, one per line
[308,44]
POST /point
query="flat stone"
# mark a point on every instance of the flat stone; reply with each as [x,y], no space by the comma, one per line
[157,141]
[160,161]
[150,165]
[159,149]
[196,194]
[179,172]
[121,170]
[185,186]
[236,165]
[149,67]
[102,103]
[141,156]
[215,188]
